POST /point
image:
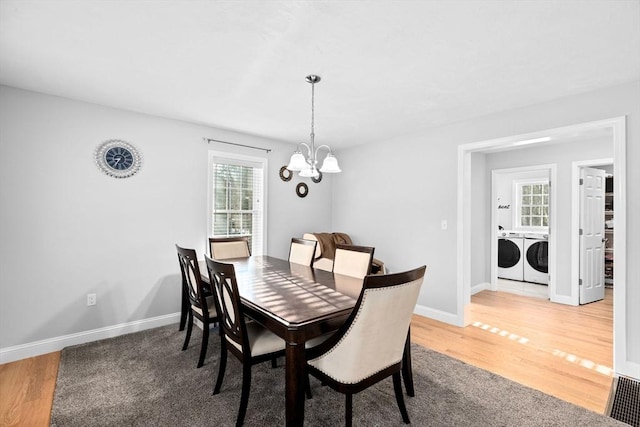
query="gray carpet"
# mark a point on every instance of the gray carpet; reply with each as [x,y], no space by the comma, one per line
[143,379]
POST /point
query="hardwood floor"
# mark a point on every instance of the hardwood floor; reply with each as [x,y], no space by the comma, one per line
[26,390]
[561,350]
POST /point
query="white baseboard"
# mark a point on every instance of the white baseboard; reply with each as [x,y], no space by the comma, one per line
[36,348]
[573,300]
[523,288]
[561,299]
[480,287]
[629,369]
[441,316]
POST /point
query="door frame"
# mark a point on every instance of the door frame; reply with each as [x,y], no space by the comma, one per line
[575,221]
[463,286]
[552,171]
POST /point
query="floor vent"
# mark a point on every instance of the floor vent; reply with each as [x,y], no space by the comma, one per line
[624,401]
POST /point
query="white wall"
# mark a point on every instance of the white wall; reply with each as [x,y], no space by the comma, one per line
[396,199]
[505,188]
[66,229]
[480,268]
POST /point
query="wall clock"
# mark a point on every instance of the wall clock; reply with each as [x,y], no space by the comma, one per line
[118,159]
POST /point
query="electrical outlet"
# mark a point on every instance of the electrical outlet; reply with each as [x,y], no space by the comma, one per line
[91,299]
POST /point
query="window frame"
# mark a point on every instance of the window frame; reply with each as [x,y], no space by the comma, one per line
[517,197]
[239,160]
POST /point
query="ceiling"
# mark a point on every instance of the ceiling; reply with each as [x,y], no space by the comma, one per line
[388,68]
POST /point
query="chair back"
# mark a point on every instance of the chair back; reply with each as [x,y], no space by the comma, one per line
[229,247]
[354,261]
[191,279]
[373,337]
[302,251]
[227,298]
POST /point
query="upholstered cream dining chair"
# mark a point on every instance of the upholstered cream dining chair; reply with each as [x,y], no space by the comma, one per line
[198,299]
[249,342]
[302,251]
[354,261]
[222,248]
[369,346]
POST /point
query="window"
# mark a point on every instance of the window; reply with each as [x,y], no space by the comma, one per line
[533,204]
[237,198]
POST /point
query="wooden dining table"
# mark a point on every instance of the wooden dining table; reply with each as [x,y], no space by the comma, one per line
[298,303]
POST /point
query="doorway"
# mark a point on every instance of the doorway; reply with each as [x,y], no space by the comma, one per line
[617,129]
[521,212]
[594,249]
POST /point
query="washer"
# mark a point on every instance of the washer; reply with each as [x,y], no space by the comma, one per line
[536,263]
[510,256]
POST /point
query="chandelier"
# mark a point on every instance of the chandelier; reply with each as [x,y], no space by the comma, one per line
[308,166]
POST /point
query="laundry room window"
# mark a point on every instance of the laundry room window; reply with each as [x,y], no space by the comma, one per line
[533,204]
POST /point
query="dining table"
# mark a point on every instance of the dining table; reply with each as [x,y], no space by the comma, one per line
[299,304]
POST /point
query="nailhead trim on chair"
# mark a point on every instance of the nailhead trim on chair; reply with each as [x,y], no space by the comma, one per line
[366,292]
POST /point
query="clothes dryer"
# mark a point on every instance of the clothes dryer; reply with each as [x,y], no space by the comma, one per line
[536,263]
[510,256]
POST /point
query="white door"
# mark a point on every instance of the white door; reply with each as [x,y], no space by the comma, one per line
[592,186]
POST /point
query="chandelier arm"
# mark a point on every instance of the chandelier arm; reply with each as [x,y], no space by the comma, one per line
[322,146]
[305,146]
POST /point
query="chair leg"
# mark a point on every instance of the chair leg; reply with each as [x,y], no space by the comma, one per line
[307,388]
[407,371]
[222,368]
[205,343]
[348,412]
[189,328]
[246,388]
[397,388]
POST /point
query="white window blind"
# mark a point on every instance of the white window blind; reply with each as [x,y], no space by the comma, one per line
[238,199]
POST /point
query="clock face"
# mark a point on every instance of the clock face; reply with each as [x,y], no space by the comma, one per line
[118,159]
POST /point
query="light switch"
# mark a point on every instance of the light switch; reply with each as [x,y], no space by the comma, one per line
[443,224]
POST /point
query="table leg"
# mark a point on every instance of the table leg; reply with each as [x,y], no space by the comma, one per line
[294,388]
[407,372]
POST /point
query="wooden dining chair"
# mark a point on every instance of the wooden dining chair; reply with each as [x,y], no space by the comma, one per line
[200,300]
[302,251]
[354,261]
[222,248]
[249,342]
[369,346]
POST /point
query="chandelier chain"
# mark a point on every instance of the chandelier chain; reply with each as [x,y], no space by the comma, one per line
[313,85]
